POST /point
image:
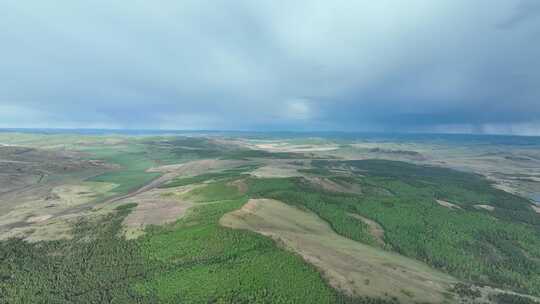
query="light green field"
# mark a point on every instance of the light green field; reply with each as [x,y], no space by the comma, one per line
[133,161]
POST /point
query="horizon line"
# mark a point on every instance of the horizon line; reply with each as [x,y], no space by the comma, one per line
[103,130]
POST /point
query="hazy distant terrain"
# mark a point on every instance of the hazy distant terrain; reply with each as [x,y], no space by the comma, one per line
[216,217]
[380,152]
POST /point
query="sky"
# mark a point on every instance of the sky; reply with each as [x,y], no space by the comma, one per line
[446,66]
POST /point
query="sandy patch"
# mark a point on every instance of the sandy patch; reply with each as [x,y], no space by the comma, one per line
[485,207]
[536,208]
[276,171]
[349,266]
[504,186]
[294,148]
[270,146]
[38,218]
[448,204]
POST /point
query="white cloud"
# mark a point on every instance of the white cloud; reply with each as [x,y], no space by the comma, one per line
[237,65]
[297,109]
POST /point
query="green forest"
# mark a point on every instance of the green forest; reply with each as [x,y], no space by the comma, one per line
[192,261]
[499,248]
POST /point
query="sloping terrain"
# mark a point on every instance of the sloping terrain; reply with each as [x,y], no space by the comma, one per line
[350,266]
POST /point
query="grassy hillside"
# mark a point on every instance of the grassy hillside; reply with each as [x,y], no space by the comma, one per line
[500,248]
[192,261]
[132,161]
[349,266]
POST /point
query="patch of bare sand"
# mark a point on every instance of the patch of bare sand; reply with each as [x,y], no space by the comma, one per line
[375,229]
[288,147]
[155,207]
[39,218]
[536,208]
[349,266]
[276,171]
[485,207]
[285,147]
[448,204]
[504,186]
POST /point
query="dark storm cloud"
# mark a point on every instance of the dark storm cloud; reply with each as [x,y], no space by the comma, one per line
[445,66]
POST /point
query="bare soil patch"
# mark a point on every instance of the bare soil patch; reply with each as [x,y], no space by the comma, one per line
[283,146]
[275,171]
[448,204]
[39,218]
[485,207]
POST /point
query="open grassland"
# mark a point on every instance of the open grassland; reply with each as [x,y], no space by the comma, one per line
[214,192]
[133,161]
[138,156]
[228,170]
[135,158]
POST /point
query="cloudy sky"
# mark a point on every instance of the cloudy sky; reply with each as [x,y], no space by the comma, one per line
[386,65]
